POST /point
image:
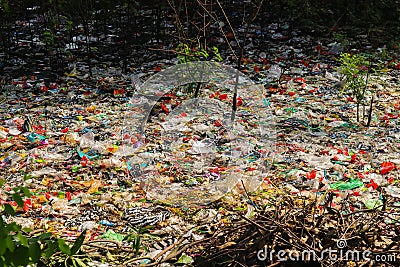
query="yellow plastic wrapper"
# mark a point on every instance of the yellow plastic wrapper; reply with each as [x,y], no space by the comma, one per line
[94,187]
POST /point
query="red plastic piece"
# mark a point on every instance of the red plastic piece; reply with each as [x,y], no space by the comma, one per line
[387,167]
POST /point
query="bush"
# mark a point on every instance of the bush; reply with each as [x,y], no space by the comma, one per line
[19,247]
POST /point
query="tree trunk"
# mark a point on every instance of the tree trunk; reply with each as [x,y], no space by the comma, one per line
[358,109]
[370,112]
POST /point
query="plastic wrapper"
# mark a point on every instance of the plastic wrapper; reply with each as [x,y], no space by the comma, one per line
[111,235]
[351,184]
[87,140]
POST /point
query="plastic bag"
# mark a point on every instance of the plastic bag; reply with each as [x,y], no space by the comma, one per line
[351,184]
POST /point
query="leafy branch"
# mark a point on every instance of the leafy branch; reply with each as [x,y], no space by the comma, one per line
[22,246]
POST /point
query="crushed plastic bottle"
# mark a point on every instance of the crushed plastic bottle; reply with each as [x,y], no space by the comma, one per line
[274,72]
[335,48]
[87,140]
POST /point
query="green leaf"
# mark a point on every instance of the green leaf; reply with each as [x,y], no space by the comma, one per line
[51,248]
[26,191]
[9,209]
[35,252]
[45,236]
[128,238]
[10,243]
[78,243]
[17,198]
[27,176]
[13,226]
[64,247]
[185,259]
[74,262]
[23,239]
[27,230]
[137,244]
[3,247]
[2,182]
[109,256]
[33,239]
[20,256]
[80,262]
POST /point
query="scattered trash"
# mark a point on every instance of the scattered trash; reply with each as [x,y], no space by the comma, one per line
[95,152]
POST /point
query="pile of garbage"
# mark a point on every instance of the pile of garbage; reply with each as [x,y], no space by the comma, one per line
[119,153]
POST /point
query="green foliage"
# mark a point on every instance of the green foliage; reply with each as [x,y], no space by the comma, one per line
[4,5]
[187,54]
[136,239]
[354,68]
[69,253]
[341,38]
[18,247]
[217,55]
[69,25]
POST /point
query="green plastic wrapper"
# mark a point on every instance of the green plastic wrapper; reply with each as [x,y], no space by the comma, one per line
[351,184]
[111,235]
